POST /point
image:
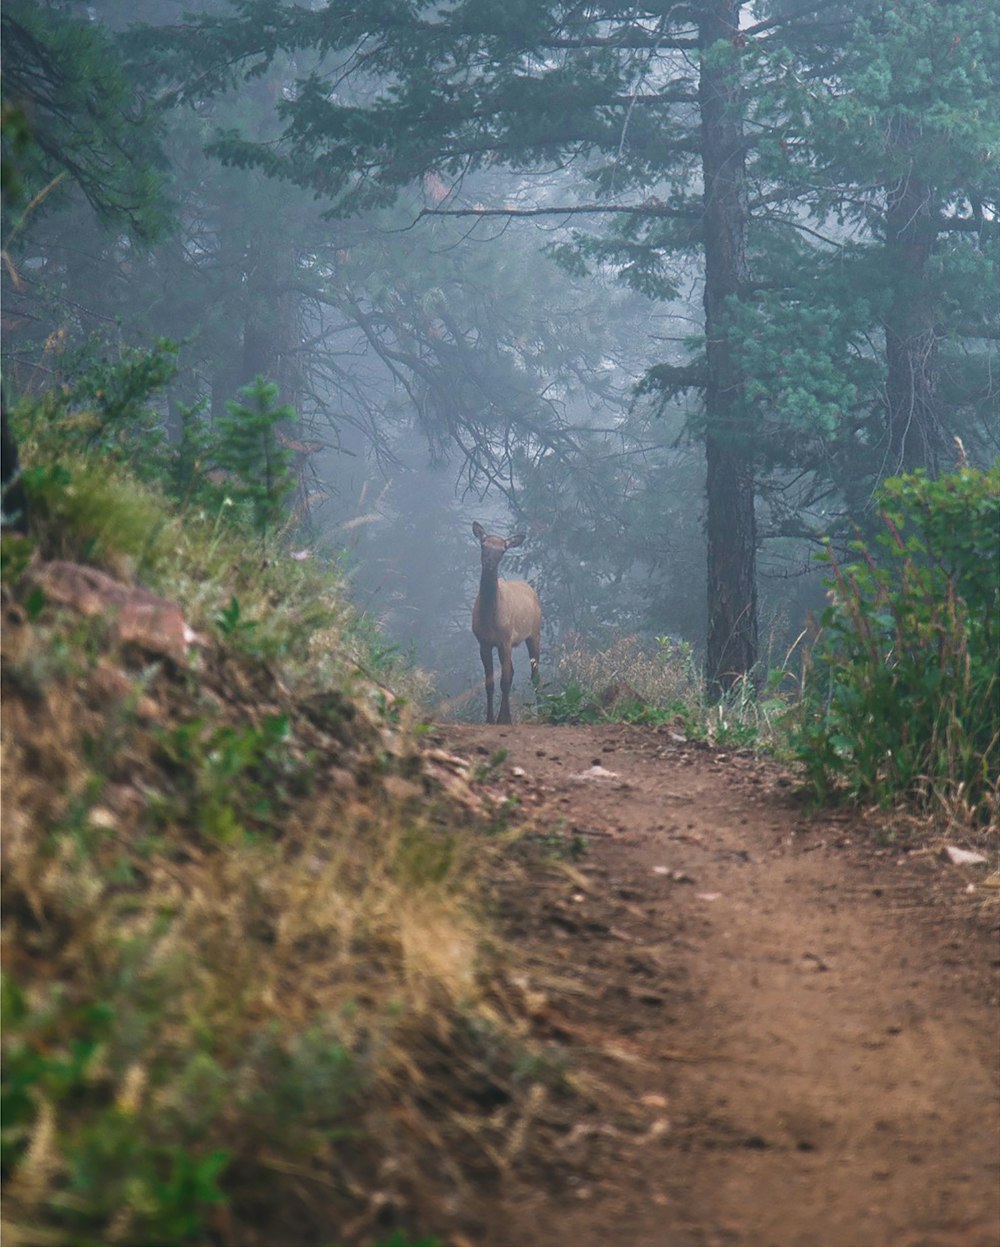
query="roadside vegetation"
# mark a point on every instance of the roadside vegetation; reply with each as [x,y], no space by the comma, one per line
[658,684]
[901,689]
[248,992]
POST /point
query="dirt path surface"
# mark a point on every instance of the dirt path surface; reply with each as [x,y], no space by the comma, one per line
[787,1035]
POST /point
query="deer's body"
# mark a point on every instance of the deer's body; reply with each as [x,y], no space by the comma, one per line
[506,612]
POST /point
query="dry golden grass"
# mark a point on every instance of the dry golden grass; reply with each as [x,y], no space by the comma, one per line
[657,677]
[642,682]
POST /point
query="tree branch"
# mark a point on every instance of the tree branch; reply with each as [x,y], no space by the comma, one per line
[651,207]
[674,377]
[634,38]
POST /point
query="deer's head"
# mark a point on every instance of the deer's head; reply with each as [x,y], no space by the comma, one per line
[494,548]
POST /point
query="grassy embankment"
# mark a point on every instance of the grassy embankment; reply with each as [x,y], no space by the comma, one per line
[250,994]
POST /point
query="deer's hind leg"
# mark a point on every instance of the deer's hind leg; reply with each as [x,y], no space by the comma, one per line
[534,649]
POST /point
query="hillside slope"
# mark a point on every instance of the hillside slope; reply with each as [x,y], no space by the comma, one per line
[251,990]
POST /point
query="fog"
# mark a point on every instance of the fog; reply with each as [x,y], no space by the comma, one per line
[530,334]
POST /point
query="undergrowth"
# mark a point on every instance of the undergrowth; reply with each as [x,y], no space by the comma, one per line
[243,941]
[653,686]
[902,694]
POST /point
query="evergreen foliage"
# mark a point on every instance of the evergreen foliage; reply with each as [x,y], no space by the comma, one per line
[246,446]
[107,406]
[236,467]
[883,140]
[821,248]
[65,88]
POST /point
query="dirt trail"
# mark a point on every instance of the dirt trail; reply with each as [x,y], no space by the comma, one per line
[790,1035]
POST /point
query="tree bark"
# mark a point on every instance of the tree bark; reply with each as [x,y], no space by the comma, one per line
[271,342]
[731,529]
[13,500]
[915,434]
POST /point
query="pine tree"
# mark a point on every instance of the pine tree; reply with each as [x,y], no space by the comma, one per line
[245,446]
[885,135]
[723,131]
[529,85]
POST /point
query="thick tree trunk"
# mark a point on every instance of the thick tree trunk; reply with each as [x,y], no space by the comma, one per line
[227,345]
[915,435]
[13,500]
[731,531]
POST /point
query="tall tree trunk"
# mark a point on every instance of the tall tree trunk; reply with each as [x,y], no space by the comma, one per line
[13,500]
[227,347]
[915,435]
[731,529]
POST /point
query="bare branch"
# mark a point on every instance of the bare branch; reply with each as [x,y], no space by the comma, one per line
[649,208]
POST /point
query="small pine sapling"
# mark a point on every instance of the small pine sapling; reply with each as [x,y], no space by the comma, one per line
[246,447]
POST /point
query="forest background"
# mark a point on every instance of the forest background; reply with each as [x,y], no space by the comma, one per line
[672,287]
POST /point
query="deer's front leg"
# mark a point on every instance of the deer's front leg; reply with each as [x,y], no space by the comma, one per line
[506,680]
[486,654]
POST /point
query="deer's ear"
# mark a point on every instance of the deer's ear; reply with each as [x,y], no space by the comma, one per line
[479,531]
[516,540]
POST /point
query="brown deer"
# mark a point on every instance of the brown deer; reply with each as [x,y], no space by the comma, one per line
[506,613]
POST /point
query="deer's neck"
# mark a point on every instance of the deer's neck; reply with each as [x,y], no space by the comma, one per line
[488,592]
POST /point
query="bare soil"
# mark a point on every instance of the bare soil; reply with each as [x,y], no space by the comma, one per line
[782,1028]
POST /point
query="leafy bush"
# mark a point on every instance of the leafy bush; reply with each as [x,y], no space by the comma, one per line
[901,695]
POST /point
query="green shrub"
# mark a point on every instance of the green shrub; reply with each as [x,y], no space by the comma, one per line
[230,780]
[104,406]
[901,696]
[107,411]
[245,446]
